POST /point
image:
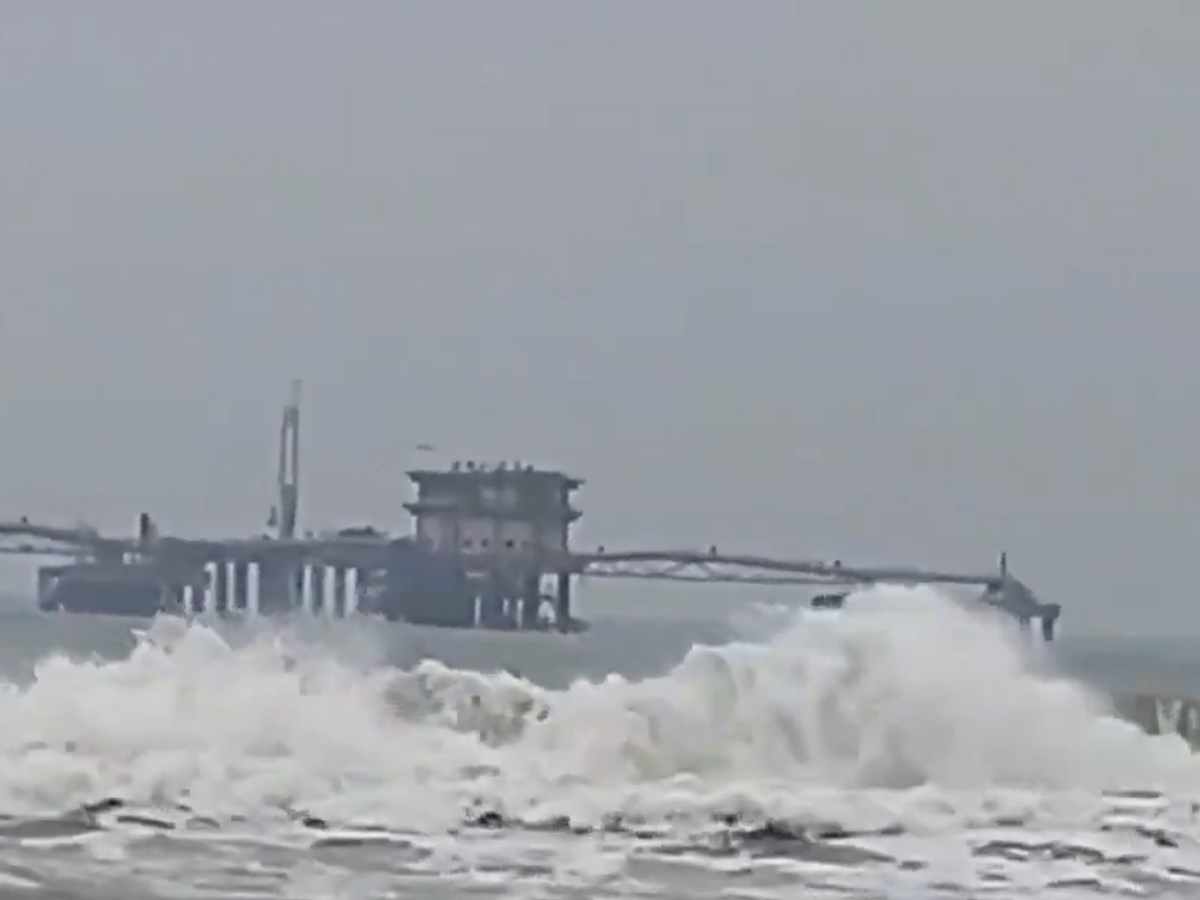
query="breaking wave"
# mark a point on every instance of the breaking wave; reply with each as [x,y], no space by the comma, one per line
[904,707]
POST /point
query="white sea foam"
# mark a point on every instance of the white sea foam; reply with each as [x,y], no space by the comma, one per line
[904,709]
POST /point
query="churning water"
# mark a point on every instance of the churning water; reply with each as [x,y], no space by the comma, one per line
[905,746]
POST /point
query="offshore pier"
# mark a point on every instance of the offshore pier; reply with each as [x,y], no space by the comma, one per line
[490,548]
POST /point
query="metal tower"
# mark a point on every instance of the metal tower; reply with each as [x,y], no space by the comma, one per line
[284,515]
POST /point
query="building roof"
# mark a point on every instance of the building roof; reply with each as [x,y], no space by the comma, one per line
[494,473]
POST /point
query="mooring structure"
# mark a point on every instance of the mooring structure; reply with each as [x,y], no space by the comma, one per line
[490,547]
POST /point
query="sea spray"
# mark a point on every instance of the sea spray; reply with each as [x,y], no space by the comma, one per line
[904,704]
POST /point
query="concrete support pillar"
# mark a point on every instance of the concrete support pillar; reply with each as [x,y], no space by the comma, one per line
[1049,623]
[353,581]
[221,592]
[202,590]
[562,605]
[240,587]
[47,577]
[173,599]
[300,588]
[337,608]
[195,592]
[531,599]
[186,600]
[297,578]
[254,592]
[491,603]
[359,600]
[319,583]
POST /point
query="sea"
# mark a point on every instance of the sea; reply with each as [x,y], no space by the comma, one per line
[911,745]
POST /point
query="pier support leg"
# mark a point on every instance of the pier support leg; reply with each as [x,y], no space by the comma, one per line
[174,599]
[269,587]
[47,577]
[1050,614]
[221,588]
[240,585]
[337,607]
[361,596]
[531,600]
[319,590]
[348,598]
[195,594]
[491,603]
[562,605]
[276,588]
[254,600]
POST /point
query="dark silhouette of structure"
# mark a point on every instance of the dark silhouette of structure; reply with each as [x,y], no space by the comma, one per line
[490,548]
[507,528]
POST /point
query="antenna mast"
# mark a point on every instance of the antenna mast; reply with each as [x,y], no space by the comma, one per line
[289,466]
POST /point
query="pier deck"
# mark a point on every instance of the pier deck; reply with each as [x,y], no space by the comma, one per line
[187,562]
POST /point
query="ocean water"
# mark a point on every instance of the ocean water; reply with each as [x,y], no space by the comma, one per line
[907,746]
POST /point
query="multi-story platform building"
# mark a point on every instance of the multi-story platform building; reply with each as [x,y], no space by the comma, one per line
[507,527]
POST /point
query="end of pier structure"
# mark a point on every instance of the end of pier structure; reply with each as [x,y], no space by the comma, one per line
[506,529]
[1008,593]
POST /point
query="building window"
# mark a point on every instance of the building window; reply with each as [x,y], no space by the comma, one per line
[510,543]
[484,543]
[466,543]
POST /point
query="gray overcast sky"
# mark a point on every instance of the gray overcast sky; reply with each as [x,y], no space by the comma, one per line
[894,282]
